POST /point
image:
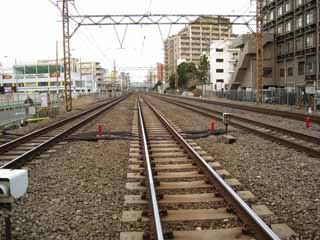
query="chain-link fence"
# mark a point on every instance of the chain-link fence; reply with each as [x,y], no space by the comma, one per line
[277,96]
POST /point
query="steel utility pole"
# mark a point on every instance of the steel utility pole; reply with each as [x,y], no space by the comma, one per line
[66,57]
[259,52]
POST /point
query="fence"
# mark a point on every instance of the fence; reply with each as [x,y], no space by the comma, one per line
[13,107]
[277,96]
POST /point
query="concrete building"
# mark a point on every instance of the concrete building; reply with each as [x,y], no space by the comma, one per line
[223,59]
[295,24]
[192,41]
[244,74]
[160,72]
[92,75]
[151,77]
[47,76]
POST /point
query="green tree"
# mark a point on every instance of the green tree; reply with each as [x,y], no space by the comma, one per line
[203,69]
[172,80]
[158,84]
[187,72]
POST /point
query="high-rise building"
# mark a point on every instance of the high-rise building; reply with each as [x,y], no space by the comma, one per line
[160,72]
[194,40]
[295,24]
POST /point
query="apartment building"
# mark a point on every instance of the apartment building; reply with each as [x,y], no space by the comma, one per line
[194,40]
[160,72]
[295,24]
[223,60]
[244,72]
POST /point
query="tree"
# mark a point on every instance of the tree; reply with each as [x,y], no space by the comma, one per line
[203,69]
[158,84]
[172,80]
[187,72]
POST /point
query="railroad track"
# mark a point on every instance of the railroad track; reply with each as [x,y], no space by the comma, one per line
[177,191]
[274,112]
[299,141]
[17,152]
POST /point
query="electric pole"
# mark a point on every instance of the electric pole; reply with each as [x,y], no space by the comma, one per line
[66,56]
[259,52]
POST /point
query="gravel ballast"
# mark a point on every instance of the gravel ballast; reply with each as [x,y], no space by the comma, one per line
[295,125]
[78,192]
[281,178]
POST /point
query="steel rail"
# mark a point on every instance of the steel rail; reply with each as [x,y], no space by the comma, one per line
[22,159]
[296,134]
[157,227]
[12,144]
[308,150]
[260,229]
[280,113]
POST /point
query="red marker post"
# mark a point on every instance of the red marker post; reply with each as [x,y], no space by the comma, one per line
[307,122]
[212,127]
[99,130]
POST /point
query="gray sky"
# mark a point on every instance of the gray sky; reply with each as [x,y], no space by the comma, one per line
[29,30]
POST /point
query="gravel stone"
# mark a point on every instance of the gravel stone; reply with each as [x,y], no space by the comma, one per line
[78,192]
[281,178]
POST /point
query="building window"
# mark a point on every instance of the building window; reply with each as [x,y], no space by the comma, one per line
[267,72]
[42,84]
[219,70]
[290,46]
[309,18]
[271,16]
[288,26]
[290,71]
[219,60]
[281,72]
[309,41]
[310,68]
[288,6]
[219,80]
[280,11]
[219,50]
[298,3]
[299,44]
[280,29]
[280,49]
[301,68]
[299,22]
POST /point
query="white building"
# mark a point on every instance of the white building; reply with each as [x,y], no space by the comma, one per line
[47,76]
[223,60]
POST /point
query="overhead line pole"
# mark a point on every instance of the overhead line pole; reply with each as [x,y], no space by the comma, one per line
[259,52]
[66,56]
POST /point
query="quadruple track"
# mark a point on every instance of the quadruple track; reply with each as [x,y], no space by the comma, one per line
[180,192]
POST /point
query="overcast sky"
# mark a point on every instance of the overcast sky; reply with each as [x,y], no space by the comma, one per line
[30,28]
